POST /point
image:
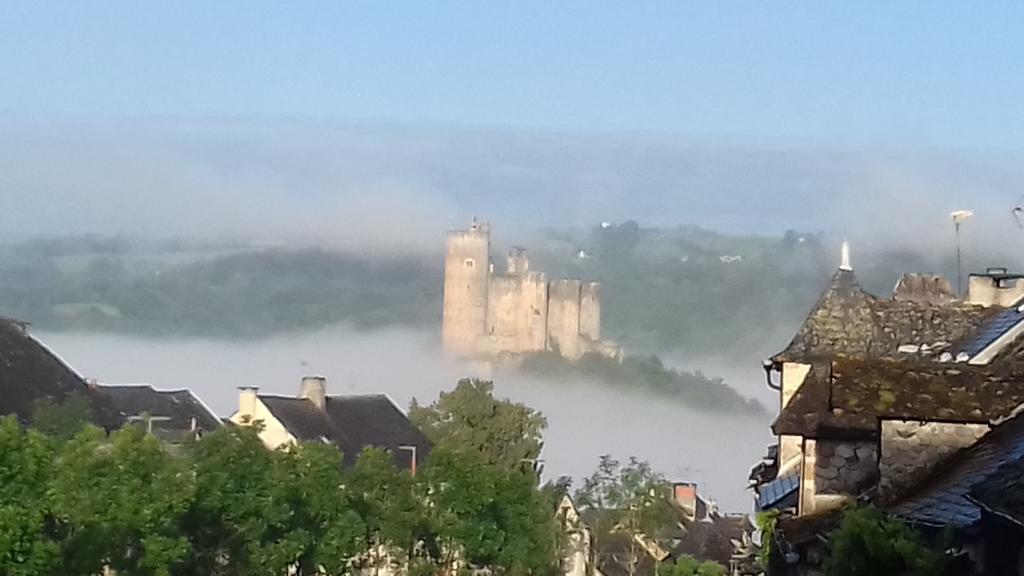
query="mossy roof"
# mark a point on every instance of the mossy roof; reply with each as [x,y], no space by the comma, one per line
[848,321]
[846,396]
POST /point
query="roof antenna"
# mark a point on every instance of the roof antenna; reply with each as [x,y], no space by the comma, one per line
[959,216]
[844,263]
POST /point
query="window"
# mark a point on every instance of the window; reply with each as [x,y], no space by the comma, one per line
[470,263]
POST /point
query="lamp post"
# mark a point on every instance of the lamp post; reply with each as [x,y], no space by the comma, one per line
[959,217]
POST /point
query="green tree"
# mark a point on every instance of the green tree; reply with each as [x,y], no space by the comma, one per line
[687,565]
[121,501]
[868,543]
[623,502]
[490,516]
[61,421]
[26,547]
[385,501]
[505,433]
[241,521]
[326,530]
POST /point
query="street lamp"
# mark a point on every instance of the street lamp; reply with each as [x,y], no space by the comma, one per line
[959,217]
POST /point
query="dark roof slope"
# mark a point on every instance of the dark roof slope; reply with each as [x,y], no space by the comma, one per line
[711,538]
[352,423]
[810,412]
[847,397]
[942,498]
[847,321]
[30,372]
[1002,492]
[179,406]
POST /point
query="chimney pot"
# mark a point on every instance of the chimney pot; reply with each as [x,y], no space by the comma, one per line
[685,495]
[247,402]
[314,389]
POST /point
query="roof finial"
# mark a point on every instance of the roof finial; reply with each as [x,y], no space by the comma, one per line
[844,263]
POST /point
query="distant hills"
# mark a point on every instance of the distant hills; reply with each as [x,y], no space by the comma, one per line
[682,289]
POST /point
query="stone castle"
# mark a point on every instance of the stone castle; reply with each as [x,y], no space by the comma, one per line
[490,315]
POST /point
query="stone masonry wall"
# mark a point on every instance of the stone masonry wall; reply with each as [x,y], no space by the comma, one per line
[842,468]
[910,448]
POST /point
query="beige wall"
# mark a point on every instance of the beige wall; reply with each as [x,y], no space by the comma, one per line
[274,435]
[805,503]
[983,290]
[466,282]
[793,375]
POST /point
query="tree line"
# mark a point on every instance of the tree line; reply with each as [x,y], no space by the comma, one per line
[75,500]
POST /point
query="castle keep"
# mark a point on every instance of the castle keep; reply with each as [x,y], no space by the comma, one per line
[488,314]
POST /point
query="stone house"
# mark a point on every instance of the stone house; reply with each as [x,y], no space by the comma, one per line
[351,423]
[875,393]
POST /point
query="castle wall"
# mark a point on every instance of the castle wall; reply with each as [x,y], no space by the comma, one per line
[533,316]
[466,283]
[488,314]
[503,313]
[590,311]
[564,317]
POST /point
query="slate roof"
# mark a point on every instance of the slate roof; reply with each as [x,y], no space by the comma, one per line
[941,499]
[846,397]
[711,539]
[351,423]
[180,406]
[31,372]
[777,491]
[847,321]
[1002,492]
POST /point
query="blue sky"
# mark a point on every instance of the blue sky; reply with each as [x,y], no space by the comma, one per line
[946,74]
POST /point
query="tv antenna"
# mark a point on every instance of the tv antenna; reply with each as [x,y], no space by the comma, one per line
[959,217]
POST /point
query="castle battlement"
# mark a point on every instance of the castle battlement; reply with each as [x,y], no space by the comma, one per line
[520,311]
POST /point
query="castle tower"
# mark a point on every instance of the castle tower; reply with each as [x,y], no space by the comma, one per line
[466,279]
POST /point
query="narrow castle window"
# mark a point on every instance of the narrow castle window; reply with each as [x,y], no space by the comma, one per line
[470,263]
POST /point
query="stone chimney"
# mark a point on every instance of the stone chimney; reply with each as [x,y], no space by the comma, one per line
[314,389]
[685,496]
[996,287]
[247,402]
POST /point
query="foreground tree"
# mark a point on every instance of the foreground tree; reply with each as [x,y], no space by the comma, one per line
[868,543]
[625,502]
[61,421]
[385,501]
[505,433]
[26,546]
[265,512]
[489,516]
[121,500]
